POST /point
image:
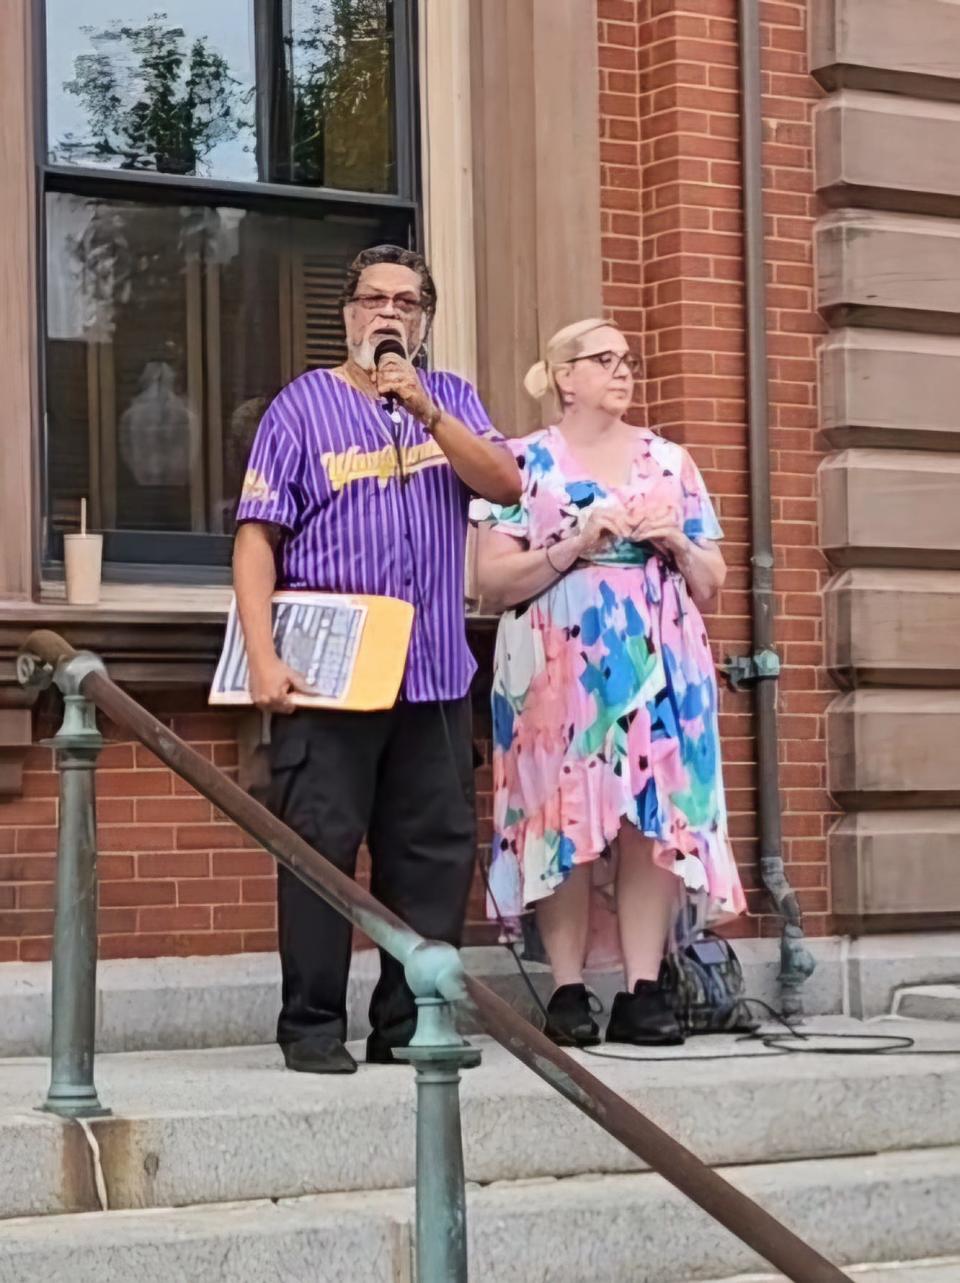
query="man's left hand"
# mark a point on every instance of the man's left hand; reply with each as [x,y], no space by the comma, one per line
[398,378]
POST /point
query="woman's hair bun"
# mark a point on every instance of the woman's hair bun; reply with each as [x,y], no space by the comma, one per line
[537,380]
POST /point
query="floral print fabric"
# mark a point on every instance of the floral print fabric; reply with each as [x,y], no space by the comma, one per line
[604,694]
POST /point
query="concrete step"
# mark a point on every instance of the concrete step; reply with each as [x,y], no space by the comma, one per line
[226,1125]
[928,1002]
[940,1271]
[162,1004]
[608,1229]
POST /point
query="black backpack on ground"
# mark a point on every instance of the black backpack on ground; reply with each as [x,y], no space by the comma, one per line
[705,980]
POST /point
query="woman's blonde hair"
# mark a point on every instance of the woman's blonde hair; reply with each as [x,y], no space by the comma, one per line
[541,380]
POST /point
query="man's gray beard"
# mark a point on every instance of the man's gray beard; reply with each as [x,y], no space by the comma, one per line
[363,353]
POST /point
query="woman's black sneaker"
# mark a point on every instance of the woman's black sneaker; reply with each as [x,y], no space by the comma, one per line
[644,1018]
[570,1021]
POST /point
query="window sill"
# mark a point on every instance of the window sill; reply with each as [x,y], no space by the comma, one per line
[129,602]
[150,635]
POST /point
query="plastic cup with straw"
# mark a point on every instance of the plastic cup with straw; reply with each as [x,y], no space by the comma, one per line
[82,560]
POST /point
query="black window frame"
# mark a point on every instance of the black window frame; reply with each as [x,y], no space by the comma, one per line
[152,188]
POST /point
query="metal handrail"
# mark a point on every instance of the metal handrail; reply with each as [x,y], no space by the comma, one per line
[433,970]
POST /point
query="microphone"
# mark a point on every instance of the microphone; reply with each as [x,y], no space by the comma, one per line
[389,347]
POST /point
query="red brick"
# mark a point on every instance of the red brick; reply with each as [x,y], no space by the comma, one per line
[136,837]
[209,891]
[174,864]
[40,784]
[264,941]
[34,949]
[244,917]
[115,810]
[116,921]
[252,863]
[134,783]
[258,890]
[194,917]
[137,892]
[172,810]
[29,922]
[209,837]
[41,841]
[27,868]
[183,945]
[113,867]
[25,812]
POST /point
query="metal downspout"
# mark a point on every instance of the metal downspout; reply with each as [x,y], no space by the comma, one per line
[796,961]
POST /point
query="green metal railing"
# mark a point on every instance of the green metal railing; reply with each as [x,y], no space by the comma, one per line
[433,970]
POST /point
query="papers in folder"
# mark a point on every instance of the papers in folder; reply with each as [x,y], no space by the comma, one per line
[351,649]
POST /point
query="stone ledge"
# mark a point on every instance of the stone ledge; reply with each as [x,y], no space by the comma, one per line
[893,627]
[904,46]
[928,1002]
[890,508]
[170,1003]
[894,749]
[895,862]
[886,152]
[895,271]
[890,389]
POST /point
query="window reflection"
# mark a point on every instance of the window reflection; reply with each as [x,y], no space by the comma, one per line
[340,66]
[296,91]
[133,84]
[169,329]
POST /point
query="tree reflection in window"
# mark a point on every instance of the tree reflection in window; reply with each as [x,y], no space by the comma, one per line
[154,100]
[155,94]
[340,59]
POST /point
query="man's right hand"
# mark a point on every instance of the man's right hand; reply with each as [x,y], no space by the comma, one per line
[271,685]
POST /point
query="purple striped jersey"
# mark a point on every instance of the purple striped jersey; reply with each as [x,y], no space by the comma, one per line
[324,466]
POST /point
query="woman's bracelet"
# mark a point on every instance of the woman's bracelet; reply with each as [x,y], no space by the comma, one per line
[556,569]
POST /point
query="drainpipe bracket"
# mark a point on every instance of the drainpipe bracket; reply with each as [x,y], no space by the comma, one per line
[743,671]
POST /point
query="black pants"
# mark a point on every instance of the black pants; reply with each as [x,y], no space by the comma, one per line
[391,776]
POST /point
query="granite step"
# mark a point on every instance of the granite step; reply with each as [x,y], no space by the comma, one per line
[227,1125]
[606,1228]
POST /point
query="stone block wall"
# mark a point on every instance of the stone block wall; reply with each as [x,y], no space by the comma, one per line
[888,267]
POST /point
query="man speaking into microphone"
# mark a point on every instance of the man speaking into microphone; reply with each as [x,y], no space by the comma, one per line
[358,482]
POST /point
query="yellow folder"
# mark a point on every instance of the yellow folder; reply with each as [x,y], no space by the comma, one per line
[379,655]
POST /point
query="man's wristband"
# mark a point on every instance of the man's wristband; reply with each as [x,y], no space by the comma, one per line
[432,419]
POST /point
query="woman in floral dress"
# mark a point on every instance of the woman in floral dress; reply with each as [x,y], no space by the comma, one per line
[608,799]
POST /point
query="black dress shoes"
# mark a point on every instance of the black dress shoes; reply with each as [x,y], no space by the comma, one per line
[644,1018]
[318,1054]
[570,1021]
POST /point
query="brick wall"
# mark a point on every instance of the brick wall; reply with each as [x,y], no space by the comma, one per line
[176,877]
[673,276]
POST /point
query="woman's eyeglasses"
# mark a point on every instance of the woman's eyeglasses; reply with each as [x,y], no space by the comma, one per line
[404,304]
[612,362]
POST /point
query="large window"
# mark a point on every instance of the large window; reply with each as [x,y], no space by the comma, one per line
[209,170]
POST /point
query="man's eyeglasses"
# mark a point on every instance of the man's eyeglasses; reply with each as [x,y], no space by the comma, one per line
[404,304]
[612,361]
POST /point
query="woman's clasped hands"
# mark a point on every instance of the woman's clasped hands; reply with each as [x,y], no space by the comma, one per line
[638,520]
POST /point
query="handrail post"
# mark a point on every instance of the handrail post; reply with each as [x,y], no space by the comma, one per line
[438,1054]
[72,1092]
